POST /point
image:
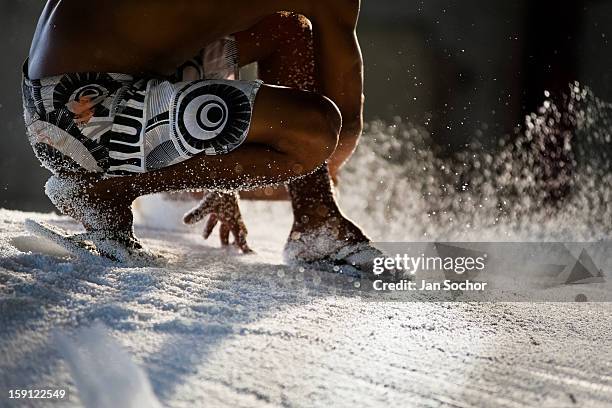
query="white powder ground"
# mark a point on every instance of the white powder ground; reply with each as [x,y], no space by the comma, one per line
[215,329]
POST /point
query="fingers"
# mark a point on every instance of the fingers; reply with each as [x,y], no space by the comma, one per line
[198,213]
[224,231]
[224,211]
[210,225]
[238,231]
[189,218]
[240,234]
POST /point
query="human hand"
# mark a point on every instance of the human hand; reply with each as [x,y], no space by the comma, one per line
[221,208]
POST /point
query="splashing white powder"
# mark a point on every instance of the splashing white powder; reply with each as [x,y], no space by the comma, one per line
[550,181]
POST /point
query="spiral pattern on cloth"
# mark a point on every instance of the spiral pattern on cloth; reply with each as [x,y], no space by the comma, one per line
[211,117]
[74,87]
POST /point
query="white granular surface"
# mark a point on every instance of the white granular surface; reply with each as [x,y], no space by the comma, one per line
[208,328]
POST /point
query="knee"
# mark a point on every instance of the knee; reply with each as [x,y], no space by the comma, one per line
[321,131]
[330,120]
[290,25]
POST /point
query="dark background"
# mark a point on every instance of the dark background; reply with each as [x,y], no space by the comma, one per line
[455,67]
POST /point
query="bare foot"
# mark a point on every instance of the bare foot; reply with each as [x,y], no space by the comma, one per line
[98,207]
[335,223]
[333,243]
[321,235]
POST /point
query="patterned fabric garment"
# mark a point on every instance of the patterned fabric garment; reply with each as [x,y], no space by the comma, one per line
[117,124]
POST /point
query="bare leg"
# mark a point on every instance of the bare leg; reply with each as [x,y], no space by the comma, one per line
[292,133]
[282,45]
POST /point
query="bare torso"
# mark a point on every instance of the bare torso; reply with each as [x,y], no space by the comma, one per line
[134,37]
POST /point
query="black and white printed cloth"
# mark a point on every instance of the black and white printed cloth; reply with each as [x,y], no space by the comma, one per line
[117,124]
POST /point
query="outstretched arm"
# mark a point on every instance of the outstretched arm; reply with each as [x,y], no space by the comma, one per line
[339,67]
